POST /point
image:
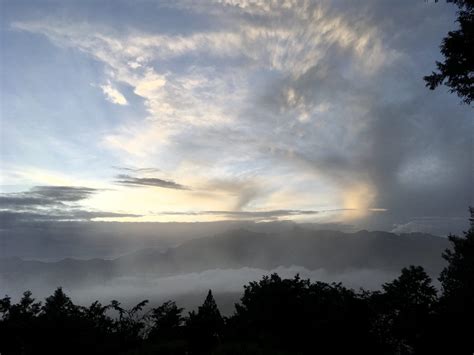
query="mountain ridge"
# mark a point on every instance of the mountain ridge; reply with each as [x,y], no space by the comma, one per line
[330,250]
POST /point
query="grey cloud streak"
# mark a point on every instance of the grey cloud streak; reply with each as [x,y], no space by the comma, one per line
[64,193]
[137,170]
[39,196]
[254,214]
[11,218]
[50,203]
[128,180]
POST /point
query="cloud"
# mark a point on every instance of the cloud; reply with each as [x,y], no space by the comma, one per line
[39,196]
[64,193]
[258,215]
[20,201]
[435,225]
[233,280]
[223,282]
[10,218]
[113,95]
[138,170]
[304,105]
[50,203]
[243,190]
[128,180]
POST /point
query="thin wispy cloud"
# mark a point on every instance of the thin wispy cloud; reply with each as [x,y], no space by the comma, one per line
[137,170]
[259,215]
[128,180]
[15,218]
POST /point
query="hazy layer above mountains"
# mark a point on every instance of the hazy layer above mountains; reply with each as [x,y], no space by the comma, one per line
[181,260]
[85,240]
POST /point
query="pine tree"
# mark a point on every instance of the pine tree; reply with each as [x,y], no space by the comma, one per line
[205,326]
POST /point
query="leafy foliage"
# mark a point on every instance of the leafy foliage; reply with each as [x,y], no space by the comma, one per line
[457,70]
[404,312]
[457,301]
[457,278]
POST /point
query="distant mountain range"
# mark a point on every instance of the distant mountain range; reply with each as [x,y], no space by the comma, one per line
[330,250]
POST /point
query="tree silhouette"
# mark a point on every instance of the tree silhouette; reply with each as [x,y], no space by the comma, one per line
[457,70]
[59,305]
[412,288]
[293,315]
[405,310]
[167,320]
[130,324]
[96,314]
[205,327]
[17,331]
[457,300]
[457,278]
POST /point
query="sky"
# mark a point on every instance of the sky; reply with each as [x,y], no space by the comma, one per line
[312,111]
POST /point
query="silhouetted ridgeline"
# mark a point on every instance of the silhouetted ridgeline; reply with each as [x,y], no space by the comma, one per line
[329,250]
[274,316]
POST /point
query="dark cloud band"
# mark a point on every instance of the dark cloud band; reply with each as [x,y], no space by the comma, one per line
[50,203]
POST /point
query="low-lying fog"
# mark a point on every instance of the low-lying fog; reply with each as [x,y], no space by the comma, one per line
[182,262]
[190,289]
